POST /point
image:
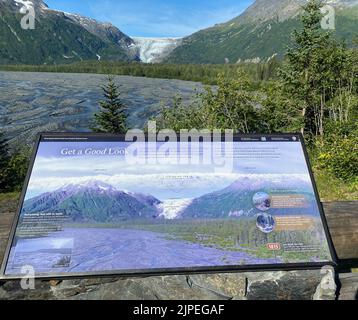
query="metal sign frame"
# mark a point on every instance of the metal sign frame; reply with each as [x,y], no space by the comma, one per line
[164,271]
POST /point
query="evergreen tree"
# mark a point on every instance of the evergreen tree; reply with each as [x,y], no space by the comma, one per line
[112,117]
[4,163]
[310,74]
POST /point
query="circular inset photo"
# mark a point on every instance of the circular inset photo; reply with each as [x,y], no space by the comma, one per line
[265,222]
[262,201]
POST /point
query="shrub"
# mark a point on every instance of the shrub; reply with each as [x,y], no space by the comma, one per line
[233,104]
[13,175]
[338,153]
[4,162]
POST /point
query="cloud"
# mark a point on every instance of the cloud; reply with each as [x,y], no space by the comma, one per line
[189,185]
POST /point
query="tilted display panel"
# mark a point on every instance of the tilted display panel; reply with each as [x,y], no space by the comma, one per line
[98,205]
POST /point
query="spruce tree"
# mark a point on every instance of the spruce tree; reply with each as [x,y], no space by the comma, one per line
[309,75]
[112,117]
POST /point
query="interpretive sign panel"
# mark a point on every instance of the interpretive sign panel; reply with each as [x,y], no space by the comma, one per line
[101,205]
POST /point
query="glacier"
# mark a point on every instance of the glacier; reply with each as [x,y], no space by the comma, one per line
[155,50]
[172,208]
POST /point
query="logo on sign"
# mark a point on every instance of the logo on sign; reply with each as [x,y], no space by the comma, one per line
[273,246]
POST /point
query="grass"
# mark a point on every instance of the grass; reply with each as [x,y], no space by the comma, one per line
[8,202]
[332,189]
[14,196]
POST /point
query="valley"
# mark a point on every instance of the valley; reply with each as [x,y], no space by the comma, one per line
[261,32]
[158,225]
[89,250]
[35,102]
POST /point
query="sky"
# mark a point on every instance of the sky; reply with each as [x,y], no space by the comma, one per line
[159,18]
[62,163]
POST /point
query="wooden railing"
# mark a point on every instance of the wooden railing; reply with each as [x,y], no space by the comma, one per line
[342,219]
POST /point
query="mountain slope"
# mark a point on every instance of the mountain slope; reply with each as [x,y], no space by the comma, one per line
[262,31]
[94,201]
[58,37]
[237,199]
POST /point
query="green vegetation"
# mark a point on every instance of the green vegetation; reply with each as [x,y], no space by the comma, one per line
[233,235]
[54,40]
[206,74]
[241,39]
[12,196]
[319,74]
[232,105]
[338,152]
[315,92]
[112,117]
[261,32]
[13,167]
[234,41]
[4,162]
[333,189]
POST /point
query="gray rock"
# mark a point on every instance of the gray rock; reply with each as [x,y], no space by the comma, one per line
[12,290]
[223,286]
[292,285]
[180,287]
[326,290]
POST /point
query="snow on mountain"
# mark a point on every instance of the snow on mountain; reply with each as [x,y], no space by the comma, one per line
[236,200]
[104,30]
[88,185]
[154,50]
[59,36]
[94,201]
[23,5]
[26,4]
